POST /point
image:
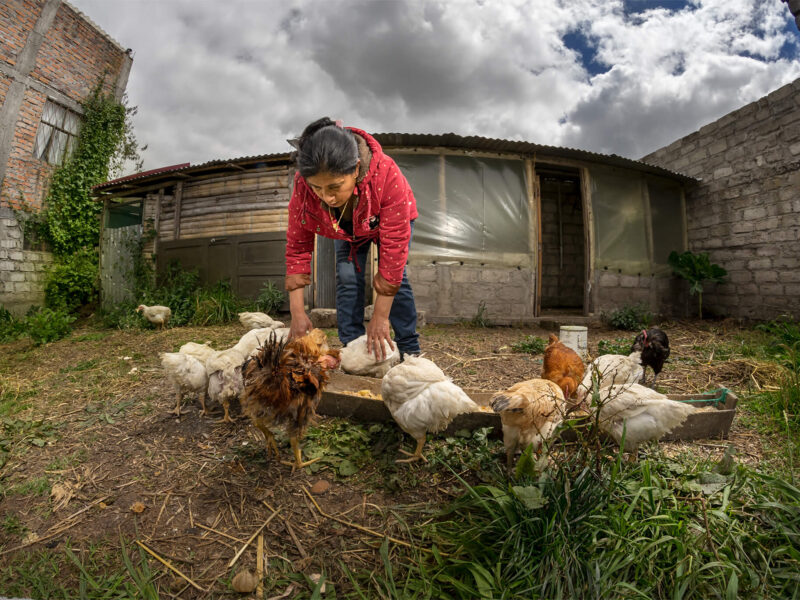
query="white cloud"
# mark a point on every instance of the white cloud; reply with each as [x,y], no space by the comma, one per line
[220,80]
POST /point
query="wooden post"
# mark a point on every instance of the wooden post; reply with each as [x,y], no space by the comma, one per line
[177,217]
[157,221]
[589,291]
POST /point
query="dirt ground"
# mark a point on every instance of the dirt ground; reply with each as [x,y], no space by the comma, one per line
[95,455]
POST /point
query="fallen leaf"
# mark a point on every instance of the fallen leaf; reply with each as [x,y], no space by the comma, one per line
[320,487]
[315,577]
[137,507]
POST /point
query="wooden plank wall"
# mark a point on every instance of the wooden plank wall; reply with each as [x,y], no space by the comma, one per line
[116,264]
[235,204]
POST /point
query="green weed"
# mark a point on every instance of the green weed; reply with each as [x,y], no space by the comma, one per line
[630,318]
[620,346]
[270,298]
[530,344]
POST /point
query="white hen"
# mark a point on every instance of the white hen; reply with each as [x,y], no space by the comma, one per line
[258,320]
[422,398]
[187,375]
[251,341]
[643,413]
[611,369]
[530,412]
[357,360]
[199,351]
[225,381]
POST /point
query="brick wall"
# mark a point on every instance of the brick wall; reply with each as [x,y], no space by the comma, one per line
[17,18]
[746,211]
[48,50]
[22,272]
[74,56]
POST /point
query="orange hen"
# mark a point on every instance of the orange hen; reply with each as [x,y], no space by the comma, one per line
[562,366]
[283,384]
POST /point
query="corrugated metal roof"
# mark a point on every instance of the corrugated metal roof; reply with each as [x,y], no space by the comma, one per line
[474,142]
[405,140]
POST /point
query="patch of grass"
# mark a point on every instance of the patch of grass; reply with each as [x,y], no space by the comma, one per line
[96,573]
[39,486]
[13,526]
[630,318]
[83,365]
[650,530]
[216,305]
[530,344]
[621,346]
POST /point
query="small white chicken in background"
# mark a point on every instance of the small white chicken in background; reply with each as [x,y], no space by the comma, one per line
[187,374]
[357,360]
[643,413]
[225,381]
[608,370]
[422,398]
[530,412]
[157,315]
[258,320]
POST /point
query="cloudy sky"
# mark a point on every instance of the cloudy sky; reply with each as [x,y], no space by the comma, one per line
[224,79]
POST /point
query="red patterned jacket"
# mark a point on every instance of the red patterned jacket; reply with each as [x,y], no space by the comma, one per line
[385,206]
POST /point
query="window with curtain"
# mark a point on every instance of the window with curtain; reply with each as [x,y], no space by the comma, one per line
[57,134]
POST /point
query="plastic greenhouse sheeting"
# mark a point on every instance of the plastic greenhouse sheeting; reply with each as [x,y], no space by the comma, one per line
[482,211]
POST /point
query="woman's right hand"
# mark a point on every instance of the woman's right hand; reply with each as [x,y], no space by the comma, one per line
[300,325]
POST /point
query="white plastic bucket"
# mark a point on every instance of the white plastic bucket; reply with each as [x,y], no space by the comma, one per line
[575,337]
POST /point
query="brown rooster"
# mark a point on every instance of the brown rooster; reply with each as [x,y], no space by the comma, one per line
[562,366]
[283,384]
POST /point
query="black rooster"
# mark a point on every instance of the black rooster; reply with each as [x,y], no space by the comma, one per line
[653,343]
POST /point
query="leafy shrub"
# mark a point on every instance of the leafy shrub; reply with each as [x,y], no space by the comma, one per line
[177,289]
[47,325]
[630,318]
[216,306]
[530,345]
[11,328]
[72,280]
[270,299]
[618,346]
[696,268]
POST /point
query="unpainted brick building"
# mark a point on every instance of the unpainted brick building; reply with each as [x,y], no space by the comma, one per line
[51,57]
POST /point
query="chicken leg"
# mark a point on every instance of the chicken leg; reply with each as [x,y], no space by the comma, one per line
[177,410]
[417,453]
[269,440]
[203,397]
[298,456]
[226,405]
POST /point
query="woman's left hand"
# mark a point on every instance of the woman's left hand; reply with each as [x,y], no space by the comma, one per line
[377,333]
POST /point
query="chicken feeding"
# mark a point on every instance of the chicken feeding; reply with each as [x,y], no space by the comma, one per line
[157,315]
[225,382]
[422,398]
[562,366]
[530,412]
[258,320]
[283,386]
[357,360]
[653,344]
[641,412]
[187,374]
[611,369]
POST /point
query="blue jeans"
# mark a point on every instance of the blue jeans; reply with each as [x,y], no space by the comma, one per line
[350,300]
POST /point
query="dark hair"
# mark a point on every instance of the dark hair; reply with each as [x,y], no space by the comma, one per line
[326,147]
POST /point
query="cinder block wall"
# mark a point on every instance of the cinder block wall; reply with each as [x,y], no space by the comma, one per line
[746,211]
[22,272]
[448,293]
[48,50]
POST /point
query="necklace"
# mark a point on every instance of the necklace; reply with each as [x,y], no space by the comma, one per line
[335,222]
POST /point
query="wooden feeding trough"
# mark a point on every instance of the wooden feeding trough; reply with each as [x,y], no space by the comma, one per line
[358,399]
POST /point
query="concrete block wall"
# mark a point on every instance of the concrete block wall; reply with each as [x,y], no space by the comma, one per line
[746,211]
[661,296]
[22,272]
[448,293]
